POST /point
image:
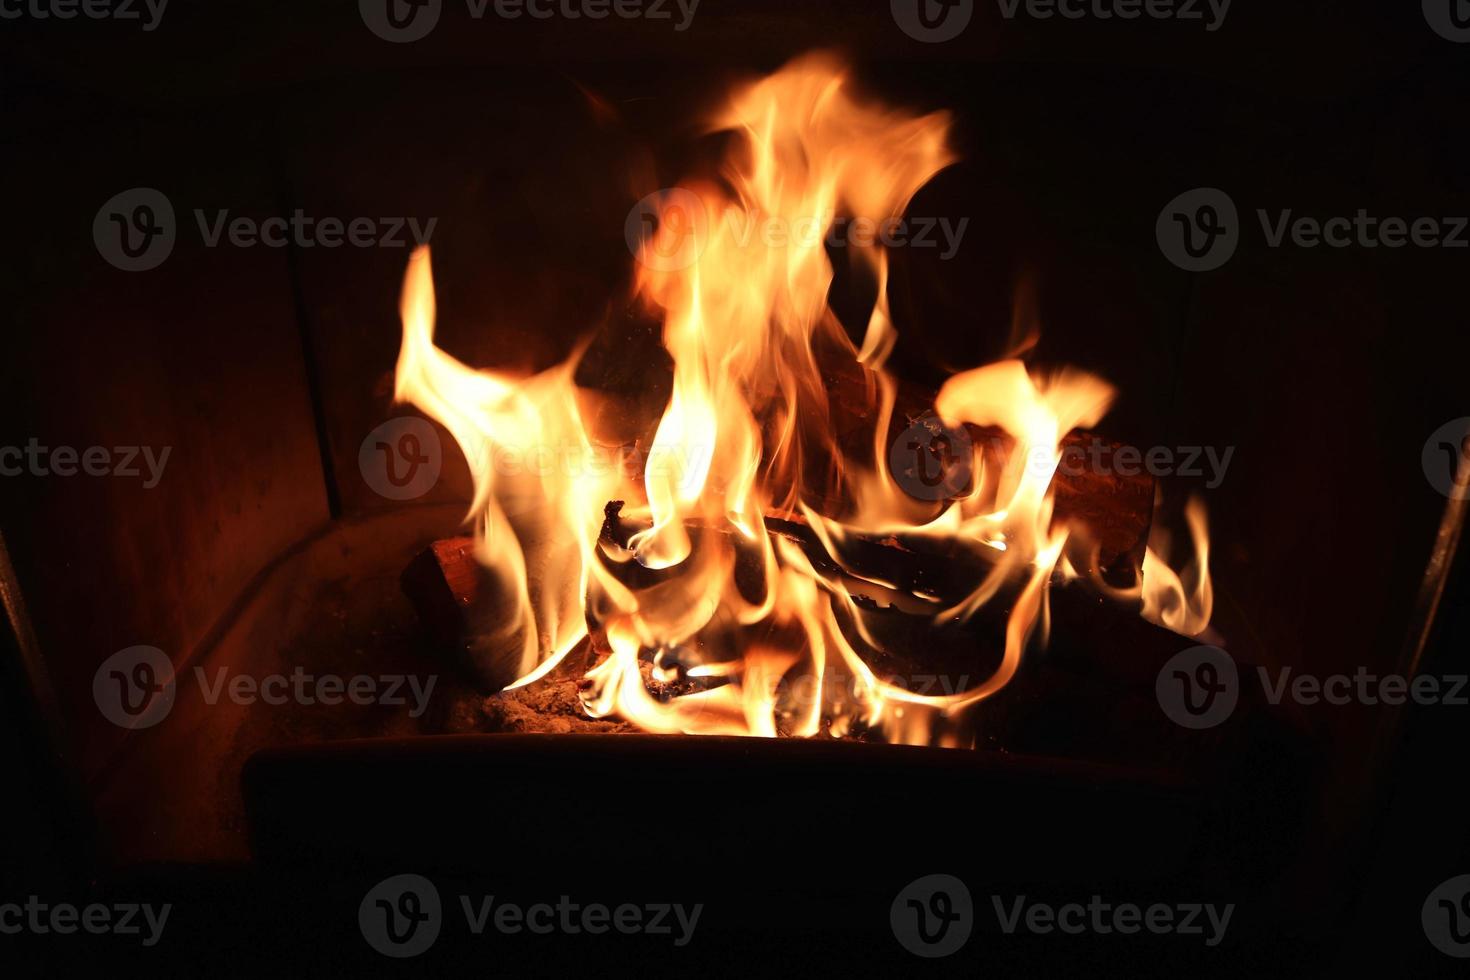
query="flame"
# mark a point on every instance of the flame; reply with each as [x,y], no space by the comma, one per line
[745,438]
[1166,600]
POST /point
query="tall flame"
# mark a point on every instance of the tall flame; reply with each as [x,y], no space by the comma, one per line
[746,437]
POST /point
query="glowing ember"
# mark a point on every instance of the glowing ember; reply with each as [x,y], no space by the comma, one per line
[746,439]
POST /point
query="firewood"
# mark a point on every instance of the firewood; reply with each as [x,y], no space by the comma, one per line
[457,602]
[463,611]
[1110,515]
[443,583]
[1101,661]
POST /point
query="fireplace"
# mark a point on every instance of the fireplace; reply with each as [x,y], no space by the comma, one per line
[767,492]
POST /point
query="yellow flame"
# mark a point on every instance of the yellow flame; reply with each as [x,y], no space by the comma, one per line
[1166,599]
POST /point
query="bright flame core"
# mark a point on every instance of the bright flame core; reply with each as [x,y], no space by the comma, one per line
[746,437]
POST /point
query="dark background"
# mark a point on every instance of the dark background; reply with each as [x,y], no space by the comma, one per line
[1326,369]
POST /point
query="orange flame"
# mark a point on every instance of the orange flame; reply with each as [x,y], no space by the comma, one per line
[746,436]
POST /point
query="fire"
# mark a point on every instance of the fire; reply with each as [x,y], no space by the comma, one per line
[747,439]
[1166,600]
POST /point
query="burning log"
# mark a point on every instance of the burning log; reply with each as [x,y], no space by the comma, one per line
[1092,695]
[938,571]
[457,604]
[444,584]
[1111,514]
